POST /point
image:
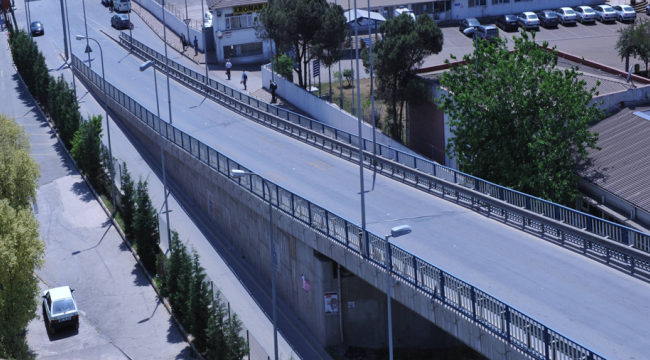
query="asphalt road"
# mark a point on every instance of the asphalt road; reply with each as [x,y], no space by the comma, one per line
[590,303]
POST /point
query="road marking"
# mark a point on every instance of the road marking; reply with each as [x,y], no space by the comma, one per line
[2,73]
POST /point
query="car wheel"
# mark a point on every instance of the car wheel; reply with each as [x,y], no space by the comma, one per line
[51,328]
[77,326]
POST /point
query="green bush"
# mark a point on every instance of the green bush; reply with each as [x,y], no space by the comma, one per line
[348,74]
[284,66]
[86,148]
[145,228]
[128,200]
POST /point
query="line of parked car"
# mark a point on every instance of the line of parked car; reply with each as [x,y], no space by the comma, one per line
[529,20]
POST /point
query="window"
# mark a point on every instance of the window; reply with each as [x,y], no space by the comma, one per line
[239,22]
[477,3]
[62,306]
[494,2]
[250,49]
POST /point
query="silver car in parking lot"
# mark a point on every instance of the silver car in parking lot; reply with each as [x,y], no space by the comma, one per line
[605,13]
[528,20]
[585,14]
[624,13]
[566,15]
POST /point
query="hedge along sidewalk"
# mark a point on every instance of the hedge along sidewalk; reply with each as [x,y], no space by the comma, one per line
[185,334]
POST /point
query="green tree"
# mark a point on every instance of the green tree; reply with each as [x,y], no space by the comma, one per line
[21,253]
[284,66]
[200,301]
[145,228]
[348,74]
[216,347]
[86,148]
[329,42]
[174,266]
[641,40]
[628,43]
[295,25]
[237,346]
[128,199]
[179,279]
[521,122]
[19,172]
[396,61]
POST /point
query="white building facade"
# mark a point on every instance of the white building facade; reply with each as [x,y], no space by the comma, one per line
[233,23]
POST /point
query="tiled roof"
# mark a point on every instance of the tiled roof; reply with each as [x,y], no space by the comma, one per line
[622,167]
[220,4]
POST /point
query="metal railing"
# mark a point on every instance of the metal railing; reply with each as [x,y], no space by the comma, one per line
[493,315]
[414,168]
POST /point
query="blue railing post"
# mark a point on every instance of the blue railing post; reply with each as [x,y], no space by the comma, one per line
[327,223]
[347,234]
[527,202]
[557,212]
[547,343]
[507,324]
[415,271]
[309,213]
[455,177]
[624,237]
[367,242]
[434,169]
[442,286]
[589,224]
[389,257]
[293,208]
[501,197]
[472,291]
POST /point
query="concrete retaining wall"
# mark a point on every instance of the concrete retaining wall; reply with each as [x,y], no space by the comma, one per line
[326,112]
[173,23]
[243,218]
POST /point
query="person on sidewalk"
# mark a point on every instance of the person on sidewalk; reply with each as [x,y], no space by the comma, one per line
[196,46]
[244,78]
[273,87]
[183,41]
[110,5]
[228,67]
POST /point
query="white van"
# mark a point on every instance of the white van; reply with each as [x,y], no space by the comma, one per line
[403,10]
[122,5]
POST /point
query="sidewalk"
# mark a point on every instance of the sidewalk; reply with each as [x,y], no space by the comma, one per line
[120,309]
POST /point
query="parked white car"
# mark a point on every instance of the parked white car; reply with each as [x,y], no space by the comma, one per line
[624,13]
[122,5]
[605,13]
[566,15]
[528,20]
[585,14]
[60,309]
[403,10]
[207,19]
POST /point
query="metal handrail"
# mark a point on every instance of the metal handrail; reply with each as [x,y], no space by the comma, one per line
[493,315]
[387,157]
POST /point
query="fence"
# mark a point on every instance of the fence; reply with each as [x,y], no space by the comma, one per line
[419,172]
[495,316]
[173,21]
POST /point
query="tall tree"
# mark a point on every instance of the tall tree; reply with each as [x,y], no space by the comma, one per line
[86,148]
[406,44]
[627,43]
[128,199]
[19,172]
[179,279]
[294,25]
[519,121]
[200,301]
[21,253]
[145,227]
[217,347]
[237,346]
[330,40]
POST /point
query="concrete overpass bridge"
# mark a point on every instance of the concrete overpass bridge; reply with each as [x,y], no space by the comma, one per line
[508,274]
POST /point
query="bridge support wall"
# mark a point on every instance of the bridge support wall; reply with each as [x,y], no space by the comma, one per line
[303,252]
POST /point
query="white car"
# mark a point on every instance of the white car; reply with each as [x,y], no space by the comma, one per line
[207,19]
[402,10]
[566,15]
[528,20]
[585,14]
[605,13]
[624,13]
[60,309]
[647,10]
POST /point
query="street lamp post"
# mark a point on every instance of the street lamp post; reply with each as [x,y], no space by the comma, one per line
[90,64]
[108,127]
[394,232]
[144,67]
[239,174]
[169,98]
[67,20]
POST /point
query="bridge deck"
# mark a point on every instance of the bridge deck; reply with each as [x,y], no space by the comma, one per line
[602,308]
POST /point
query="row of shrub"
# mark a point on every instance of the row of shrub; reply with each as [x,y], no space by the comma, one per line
[215,332]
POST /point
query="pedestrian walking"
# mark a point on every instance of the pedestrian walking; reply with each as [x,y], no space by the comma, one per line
[196,46]
[183,41]
[244,78]
[110,5]
[228,66]
[273,87]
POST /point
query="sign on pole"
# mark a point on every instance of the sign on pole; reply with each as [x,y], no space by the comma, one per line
[187,21]
[316,65]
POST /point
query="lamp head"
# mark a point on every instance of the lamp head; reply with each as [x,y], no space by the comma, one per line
[238,173]
[400,230]
[146,65]
[80,37]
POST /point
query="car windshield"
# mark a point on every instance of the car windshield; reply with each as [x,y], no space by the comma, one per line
[473,22]
[62,306]
[588,11]
[607,9]
[532,17]
[492,31]
[627,8]
[550,15]
[569,12]
[511,17]
[36,23]
[124,17]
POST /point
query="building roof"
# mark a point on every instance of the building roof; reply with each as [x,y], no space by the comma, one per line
[376,3]
[220,4]
[363,14]
[622,167]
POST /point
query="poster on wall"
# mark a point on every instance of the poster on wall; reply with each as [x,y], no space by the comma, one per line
[305,284]
[331,303]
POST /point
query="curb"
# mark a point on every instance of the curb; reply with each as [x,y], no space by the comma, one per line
[161,38]
[165,302]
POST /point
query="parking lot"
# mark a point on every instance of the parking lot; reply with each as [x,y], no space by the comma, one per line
[592,41]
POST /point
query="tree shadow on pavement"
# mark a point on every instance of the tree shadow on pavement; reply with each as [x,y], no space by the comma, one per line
[82,191]
[140,277]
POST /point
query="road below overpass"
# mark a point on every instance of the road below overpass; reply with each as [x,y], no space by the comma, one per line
[602,308]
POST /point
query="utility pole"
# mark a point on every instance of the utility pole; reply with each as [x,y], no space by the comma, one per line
[65,36]
[90,64]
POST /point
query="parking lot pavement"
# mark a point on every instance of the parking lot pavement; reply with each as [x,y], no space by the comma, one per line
[595,42]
